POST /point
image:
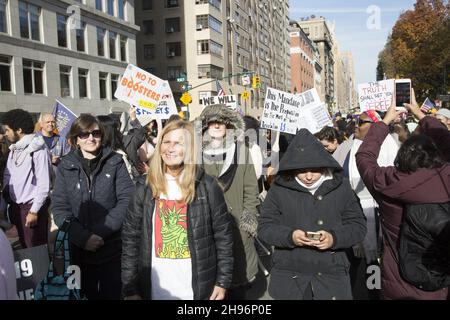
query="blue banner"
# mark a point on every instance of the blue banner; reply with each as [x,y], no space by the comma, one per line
[64,118]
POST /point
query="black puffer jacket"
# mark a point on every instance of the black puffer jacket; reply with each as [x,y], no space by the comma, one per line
[98,203]
[424,246]
[210,240]
[289,206]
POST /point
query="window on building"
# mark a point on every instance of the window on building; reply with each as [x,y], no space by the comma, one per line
[33,76]
[173,49]
[209,71]
[215,24]
[147,26]
[147,4]
[172,25]
[5,73]
[83,82]
[123,48]
[114,80]
[110,7]
[64,80]
[99,5]
[62,30]
[202,46]
[149,51]
[100,42]
[209,46]
[103,78]
[29,16]
[112,44]
[171,3]
[3,21]
[81,37]
[202,21]
[121,6]
[174,72]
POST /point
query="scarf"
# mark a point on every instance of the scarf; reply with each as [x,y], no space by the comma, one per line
[386,157]
[316,185]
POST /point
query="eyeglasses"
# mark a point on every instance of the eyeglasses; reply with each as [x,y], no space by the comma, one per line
[360,122]
[97,134]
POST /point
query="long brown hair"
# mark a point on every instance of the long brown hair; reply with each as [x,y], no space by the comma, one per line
[156,179]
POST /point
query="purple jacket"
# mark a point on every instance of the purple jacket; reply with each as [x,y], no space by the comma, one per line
[393,189]
[25,184]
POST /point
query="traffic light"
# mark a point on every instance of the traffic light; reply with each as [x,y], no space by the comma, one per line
[256,82]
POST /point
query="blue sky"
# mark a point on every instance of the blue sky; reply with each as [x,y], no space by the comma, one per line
[350,18]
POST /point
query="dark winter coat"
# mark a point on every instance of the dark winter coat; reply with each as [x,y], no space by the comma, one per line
[210,240]
[97,201]
[289,206]
[393,190]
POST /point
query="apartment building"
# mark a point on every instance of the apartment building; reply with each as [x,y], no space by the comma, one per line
[209,40]
[72,51]
[320,32]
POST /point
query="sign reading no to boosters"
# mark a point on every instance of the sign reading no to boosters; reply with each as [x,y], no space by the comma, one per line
[140,88]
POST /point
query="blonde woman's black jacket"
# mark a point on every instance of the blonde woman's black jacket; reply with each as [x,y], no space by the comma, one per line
[210,240]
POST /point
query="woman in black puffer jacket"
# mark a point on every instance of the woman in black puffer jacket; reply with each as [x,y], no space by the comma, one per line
[177,235]
[93,189]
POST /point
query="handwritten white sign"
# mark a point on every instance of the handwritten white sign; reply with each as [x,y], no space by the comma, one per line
[376,95]
[285,112]
[141,88]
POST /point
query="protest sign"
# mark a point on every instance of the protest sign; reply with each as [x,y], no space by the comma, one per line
[284,111]
[31,266]
[375,95]
[314,118]
[140,88]
[230,101]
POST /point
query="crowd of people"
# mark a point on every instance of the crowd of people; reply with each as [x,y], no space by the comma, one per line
[156,212]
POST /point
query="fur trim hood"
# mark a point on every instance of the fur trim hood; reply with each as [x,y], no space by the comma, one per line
[222,114]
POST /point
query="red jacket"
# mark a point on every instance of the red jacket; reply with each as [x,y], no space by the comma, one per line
[393,189]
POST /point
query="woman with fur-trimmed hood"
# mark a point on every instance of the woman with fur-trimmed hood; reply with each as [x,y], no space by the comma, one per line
[226,157]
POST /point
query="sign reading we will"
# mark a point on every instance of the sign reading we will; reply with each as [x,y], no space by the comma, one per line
[287,112]
[376,95]
[230,101]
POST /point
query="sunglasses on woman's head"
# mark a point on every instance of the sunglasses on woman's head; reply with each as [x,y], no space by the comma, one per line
[97,134]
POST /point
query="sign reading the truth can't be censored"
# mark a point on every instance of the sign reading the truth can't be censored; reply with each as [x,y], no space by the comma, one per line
[140,88]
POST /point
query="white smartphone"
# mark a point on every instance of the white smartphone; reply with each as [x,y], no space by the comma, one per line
[402,93]
[313,235]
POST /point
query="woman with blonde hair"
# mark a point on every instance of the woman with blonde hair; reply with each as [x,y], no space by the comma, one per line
[177,236]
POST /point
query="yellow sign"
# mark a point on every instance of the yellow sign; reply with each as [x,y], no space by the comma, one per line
[147,104]
[186,98]
[245,95]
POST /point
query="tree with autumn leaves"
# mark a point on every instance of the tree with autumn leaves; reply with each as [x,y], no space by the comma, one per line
[419,48]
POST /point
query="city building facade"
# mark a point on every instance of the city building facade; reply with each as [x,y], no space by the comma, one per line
[320,32]
[71,51]
[303,63]
[216,41]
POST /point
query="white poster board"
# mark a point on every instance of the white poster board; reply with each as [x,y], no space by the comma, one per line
[287,112]
[314,118]
[375,95]
[140,88]
[230,101]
